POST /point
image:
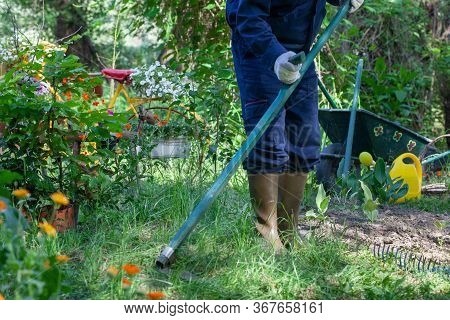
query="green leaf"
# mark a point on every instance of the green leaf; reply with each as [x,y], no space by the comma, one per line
[321,194]
[324,205]
[367,193]
[311,214]
[380,171]
[380,66]
[400,95]
[7,177]
[370,205]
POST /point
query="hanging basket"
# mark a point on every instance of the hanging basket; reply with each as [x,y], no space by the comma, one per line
[178,147]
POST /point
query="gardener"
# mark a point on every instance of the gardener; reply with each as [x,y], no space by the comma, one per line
[265,34]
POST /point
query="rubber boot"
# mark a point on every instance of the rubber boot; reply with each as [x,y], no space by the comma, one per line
[264,193]
[291,188]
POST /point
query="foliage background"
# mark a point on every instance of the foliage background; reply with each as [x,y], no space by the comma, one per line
[405,45]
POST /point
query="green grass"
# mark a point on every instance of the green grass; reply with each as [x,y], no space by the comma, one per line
[224,254]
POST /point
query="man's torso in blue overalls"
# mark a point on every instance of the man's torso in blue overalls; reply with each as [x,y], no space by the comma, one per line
[261,32]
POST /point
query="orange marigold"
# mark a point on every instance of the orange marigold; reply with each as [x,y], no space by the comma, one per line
[126,282]
[162,123]
[64,81]
[21,193]
[68,95]
[3,206]
[62,258]
[155,295]
[46,264]
[60,198]
[112,271]
[118,135]
[82,137]
[48,229]
[85,96]
[131,269]
[128,126]
[2,297]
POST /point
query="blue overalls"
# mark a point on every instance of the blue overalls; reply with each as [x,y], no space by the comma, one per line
[262,30]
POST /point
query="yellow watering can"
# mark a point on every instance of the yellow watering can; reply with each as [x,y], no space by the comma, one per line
[411,173]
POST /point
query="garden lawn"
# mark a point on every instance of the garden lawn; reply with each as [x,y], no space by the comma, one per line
[223,258]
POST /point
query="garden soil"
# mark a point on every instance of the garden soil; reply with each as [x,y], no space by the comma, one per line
[408,229]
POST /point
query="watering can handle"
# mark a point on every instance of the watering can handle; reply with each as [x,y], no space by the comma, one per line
[416,161]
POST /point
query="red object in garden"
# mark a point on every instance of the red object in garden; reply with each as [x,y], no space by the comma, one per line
[98,91]
[118,74]
[65,218]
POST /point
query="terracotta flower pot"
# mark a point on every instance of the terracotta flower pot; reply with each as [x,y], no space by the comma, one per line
[65,218]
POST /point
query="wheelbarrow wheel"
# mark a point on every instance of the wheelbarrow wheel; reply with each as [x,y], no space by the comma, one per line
[327,168]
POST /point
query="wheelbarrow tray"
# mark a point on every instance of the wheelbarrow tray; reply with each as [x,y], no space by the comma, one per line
[382,138]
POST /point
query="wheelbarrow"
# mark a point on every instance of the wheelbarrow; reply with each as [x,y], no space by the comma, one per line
[356,130]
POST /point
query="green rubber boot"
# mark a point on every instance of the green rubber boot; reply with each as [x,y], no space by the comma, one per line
[264,194]
[291,187]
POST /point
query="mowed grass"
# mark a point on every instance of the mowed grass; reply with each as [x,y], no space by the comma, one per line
[223,258]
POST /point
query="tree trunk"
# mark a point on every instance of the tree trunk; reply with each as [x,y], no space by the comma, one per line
[70,21]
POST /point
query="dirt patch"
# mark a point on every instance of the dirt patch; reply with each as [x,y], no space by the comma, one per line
[403,228]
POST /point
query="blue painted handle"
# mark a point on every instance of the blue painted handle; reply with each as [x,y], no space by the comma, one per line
[351,126]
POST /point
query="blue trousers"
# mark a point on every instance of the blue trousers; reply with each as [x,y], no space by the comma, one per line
[292,141]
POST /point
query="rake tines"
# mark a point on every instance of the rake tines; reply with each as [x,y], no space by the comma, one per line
[407,260]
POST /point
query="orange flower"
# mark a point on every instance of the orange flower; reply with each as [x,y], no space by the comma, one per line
[439,173]
[46,264]
[95,103]
[60,198]
[48,229]
[21,193]
[68,95]
[118,135]
[64,81]
[126,283]
[82,137]
[2,297]
[131,269]
[85,96]
[80,79]
[3,206]
[112,271]
[155,295]
[128,126]
[62,258]
[155,116]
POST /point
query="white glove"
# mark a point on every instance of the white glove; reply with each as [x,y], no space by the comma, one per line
[355,4]
[286,72]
